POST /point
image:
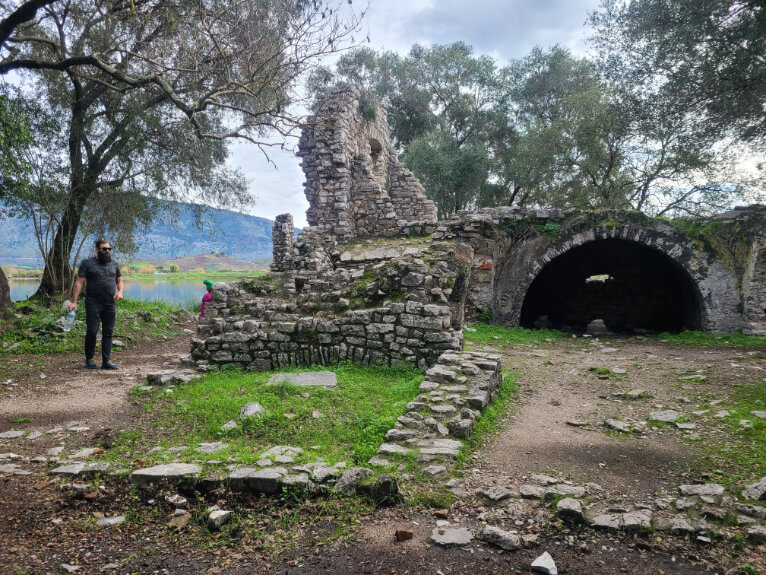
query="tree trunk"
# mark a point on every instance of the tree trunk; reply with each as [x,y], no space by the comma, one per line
[82,183]
[58,270]
[5,295]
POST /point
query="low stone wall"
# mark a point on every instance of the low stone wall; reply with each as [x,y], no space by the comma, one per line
[388,335]
[382,306]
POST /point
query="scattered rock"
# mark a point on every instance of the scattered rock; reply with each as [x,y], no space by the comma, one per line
[569,510]
[617,425]
[252,409]
[667,416]
[110,521]
[544,564]
[306,379]
[503,539]
[759,414]
[496,493]
[179,519]
[756,491]
[211,447]
[403,534]
[217,519]
[454,537]
[712,489]
[168,472]
[757,534]
[12,434]
[348,480]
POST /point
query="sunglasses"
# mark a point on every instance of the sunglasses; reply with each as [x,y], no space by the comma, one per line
[106,249]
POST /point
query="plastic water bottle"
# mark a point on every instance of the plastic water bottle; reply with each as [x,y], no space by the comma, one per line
[69,321]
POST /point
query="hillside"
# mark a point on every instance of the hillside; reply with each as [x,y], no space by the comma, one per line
[237,235]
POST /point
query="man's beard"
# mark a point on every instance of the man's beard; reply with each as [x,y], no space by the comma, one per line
[104,258]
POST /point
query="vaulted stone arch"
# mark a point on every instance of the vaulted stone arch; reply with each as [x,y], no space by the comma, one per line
[680,282]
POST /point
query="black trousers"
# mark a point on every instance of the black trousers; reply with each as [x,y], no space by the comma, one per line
[104,314]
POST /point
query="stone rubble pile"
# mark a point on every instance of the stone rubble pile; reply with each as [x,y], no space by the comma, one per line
[453,395]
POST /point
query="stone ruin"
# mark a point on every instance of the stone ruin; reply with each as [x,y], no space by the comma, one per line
[351,287]
[376,279]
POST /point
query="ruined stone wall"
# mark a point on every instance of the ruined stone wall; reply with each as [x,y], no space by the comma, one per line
[722,257]
[355,184]
[283,240]
[379,306]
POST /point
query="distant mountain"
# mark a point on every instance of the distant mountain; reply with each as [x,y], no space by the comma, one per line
[238,235]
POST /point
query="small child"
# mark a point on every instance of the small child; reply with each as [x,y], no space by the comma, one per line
[207,297]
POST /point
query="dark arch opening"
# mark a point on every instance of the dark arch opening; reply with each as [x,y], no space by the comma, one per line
[632,287]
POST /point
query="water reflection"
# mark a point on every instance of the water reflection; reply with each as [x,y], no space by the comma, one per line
[175,292]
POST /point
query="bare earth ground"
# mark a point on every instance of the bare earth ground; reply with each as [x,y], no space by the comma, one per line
[42,527]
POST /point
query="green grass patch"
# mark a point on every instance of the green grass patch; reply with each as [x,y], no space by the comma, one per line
[742,455]
[489,334]
[699,339]
[32,329]
[347,423]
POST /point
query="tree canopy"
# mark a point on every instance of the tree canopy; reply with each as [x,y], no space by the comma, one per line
[545,130]
[147,93]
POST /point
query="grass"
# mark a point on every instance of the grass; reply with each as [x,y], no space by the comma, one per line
[699,339]
[489,334]
[346,423]
[741,456]
[32,330]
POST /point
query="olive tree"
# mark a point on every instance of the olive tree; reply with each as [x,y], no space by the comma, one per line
[149,92]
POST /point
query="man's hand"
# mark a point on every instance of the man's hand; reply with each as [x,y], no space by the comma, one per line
[72,306]
[120,288]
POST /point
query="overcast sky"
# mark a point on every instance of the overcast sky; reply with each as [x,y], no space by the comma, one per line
[504,29]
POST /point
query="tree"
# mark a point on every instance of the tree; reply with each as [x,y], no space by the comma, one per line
[5,295]
[708,56]
[150,91]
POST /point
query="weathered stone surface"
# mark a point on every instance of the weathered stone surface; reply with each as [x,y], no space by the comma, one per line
[348,480]
[503,539]
[266,480]
[167,472]
[712,489]
[756,534]
[252,409]
[12,434]
[497,493]
[306,379]
[636,521]
[605,521]
[211,447]
[13,469]
[544,564]
[217,519]
[111,521]
[451,537]
[570,510]
[617,425]
[667,416]
[756,490]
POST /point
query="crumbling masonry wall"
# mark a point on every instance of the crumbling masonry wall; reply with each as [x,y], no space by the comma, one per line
[355,184]
[722,257]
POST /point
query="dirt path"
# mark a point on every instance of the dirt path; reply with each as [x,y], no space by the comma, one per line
[62,391]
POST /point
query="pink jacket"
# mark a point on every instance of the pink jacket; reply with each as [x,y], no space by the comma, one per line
[205,298]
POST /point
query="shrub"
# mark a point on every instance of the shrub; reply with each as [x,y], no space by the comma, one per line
[199,270]
[147,269]
[173,268]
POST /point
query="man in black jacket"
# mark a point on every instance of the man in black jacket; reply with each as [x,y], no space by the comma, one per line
[105,287]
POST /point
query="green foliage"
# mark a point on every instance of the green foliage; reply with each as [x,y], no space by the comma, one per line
[367,107]
[486,334]
[739,453]
[718,46]
[35,331]
[699,339]
[484,315]
[347,423]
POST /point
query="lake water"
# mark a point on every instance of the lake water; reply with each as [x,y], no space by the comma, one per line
[176,292]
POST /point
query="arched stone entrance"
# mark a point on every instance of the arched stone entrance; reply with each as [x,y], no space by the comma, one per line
[630,286]
[650,278]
